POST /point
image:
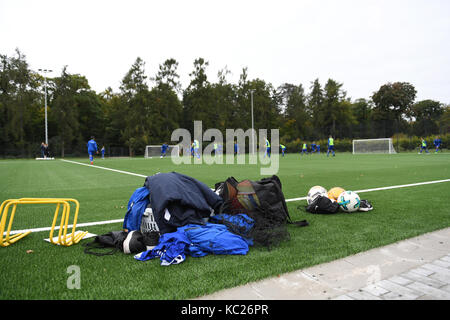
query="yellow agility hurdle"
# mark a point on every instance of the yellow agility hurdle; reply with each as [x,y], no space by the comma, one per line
[63,238]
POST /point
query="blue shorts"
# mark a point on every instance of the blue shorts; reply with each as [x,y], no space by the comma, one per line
[330,147]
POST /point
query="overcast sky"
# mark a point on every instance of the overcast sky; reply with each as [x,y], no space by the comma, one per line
[360,43]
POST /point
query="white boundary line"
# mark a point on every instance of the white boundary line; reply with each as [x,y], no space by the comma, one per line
[87,224]
[115,170]
[386,188]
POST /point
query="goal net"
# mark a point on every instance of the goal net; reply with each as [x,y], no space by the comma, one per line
[383,145]
[154,151]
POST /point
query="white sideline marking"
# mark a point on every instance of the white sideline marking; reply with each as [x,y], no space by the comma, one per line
[386,188]
[115,170]
[87,224]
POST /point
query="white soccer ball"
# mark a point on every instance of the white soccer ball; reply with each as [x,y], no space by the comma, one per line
[314,192]
[349,201]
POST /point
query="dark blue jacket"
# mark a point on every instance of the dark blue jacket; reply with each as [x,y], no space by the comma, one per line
[187,200]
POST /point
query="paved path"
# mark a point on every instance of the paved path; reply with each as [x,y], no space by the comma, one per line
[413,269]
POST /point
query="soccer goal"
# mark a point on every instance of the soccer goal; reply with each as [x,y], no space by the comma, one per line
[154,151]
[364,146]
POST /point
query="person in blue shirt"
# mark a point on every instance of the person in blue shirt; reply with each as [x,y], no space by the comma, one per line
[318,148]
[164,148]
[236,148]
[313,147]
[92,148]
[103,152]
[437,143]
[330,146]
[423,146]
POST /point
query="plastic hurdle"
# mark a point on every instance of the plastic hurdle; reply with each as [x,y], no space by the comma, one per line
[63,239]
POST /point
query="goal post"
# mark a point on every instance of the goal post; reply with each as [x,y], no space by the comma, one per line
[367,146]
[154,151]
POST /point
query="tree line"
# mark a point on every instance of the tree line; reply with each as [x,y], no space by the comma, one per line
[146,110]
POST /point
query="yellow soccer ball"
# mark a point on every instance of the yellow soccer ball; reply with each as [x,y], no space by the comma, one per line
[334,193]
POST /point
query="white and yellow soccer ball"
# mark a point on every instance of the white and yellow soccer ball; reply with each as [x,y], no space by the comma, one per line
[349,201]
[314,192]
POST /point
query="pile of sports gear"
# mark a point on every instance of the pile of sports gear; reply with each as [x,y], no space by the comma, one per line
[173,216]
[336,199]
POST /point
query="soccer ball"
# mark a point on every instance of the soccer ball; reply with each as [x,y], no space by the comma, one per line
[334,193]
[314,192]
[349,201]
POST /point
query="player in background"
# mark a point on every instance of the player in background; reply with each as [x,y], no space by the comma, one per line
[103,152]
[318,148]
[216,149]
[164,148]
[196,147]
[313,147]
[43,155]
[92,148]
[423,146]
[283,149]
[330,146]
[437,144]
[267,152]
[236,148]
[304,149]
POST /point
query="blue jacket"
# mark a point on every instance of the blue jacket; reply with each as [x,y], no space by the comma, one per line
[135,209]
[187,200]
[196,241]
[92,146]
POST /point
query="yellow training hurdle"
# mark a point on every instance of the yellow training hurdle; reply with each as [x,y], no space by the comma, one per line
[63,238]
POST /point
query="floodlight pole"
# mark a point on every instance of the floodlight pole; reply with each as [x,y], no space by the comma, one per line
[45,94]
[253,131]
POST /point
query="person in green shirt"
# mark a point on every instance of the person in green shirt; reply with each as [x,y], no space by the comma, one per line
[267,152]
[330,146]
[196,146]
[423,146]
[304,149]
[283,148]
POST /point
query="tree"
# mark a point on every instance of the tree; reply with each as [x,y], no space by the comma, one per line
[168,76]
[444,121]
[198,98]
[362,111]
[138,109]
[315,104]
[64,109]
[426,114]
[393,102]
[19,101]
[296,113]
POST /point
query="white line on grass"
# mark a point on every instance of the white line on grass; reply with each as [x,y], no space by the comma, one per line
[386,188]
[115,170]
[143,176]
[87,224]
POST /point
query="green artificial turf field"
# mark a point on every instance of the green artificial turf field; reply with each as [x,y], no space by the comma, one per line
[43,272]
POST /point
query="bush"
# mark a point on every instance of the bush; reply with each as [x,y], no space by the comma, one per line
[405,143]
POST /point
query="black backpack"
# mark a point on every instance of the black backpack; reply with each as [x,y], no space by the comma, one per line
[322,205]
[261,200]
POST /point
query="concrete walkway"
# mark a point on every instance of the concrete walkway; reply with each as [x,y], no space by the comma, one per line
[413,269]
